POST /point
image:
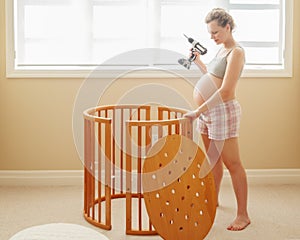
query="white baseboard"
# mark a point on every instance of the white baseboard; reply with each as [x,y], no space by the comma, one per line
[41,178]
[75,177]
[269,176]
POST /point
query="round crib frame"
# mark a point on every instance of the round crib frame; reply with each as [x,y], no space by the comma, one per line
[116,140]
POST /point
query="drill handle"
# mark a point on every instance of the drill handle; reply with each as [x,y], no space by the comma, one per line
[193,55]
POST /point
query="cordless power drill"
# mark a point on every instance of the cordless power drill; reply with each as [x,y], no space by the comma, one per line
[197,47]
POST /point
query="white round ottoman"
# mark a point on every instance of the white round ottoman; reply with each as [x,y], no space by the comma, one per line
[58,231]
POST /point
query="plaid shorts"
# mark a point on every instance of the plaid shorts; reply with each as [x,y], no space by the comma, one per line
[221,122]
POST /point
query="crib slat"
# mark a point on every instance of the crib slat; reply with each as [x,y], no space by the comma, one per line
[99,171]
[108,150]
[92,167]
[121,151]
[128,179]
[139,180]
[113,151]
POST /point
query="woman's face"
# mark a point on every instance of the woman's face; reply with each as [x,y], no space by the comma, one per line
[218,33]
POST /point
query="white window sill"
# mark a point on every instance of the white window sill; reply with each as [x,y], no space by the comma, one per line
[139,72]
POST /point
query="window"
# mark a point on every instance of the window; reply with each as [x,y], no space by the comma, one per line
[58,37]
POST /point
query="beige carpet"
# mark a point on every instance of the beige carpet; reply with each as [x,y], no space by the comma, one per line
[58,231]
[274,211]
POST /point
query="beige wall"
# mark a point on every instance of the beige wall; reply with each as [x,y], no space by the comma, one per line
[36,117]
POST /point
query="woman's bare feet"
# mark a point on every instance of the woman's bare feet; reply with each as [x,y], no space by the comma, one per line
[240,223]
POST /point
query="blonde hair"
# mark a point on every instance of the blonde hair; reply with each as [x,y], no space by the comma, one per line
[221,16]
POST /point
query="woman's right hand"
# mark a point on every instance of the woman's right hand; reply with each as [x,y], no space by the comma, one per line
[195,53]
[197,61]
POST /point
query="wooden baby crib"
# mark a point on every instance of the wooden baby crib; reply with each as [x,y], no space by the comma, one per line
[116,140]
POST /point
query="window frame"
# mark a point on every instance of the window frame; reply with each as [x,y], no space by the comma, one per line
[83,71]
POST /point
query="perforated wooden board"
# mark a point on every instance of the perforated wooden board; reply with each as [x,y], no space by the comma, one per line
[180,204]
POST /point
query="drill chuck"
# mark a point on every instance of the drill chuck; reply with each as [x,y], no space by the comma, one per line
[191,40]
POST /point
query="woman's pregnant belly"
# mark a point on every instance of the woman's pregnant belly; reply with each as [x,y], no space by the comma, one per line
[205,88]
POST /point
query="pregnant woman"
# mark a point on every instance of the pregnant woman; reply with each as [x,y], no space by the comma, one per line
[219,112]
